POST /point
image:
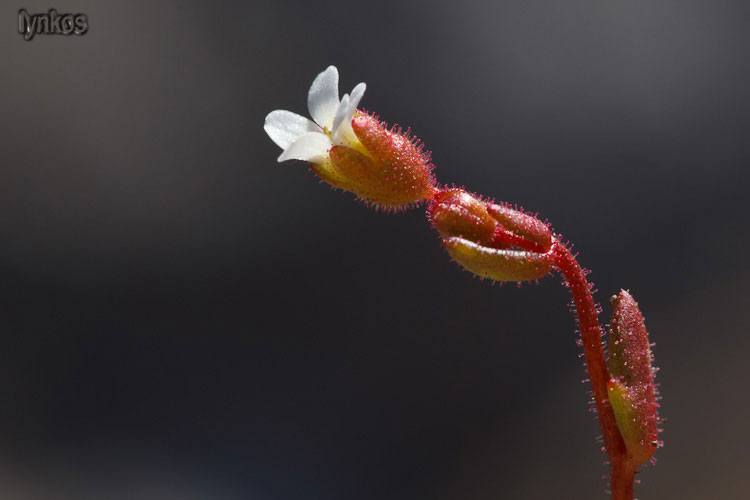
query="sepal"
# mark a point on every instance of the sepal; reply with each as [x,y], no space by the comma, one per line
[522,225]
[499,264]
[454,212]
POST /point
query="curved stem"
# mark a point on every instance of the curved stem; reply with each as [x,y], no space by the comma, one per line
[621,472]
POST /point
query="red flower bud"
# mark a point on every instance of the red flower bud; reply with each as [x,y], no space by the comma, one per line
[632,391]
[480,236]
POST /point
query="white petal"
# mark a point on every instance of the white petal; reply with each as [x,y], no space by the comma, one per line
[356,96]
[323,98]
[342,124]
[312,146]
[341,114]
[285,127]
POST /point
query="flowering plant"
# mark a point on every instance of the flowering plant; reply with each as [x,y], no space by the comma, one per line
[355,151]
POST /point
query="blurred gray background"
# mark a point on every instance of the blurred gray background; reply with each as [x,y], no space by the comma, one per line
[183,318]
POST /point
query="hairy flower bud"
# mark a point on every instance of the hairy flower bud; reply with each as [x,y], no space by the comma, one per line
[632,392]
[481,237]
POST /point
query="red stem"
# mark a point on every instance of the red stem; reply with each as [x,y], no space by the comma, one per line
[622,474]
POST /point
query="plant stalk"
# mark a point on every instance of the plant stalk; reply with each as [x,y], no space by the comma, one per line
[622,474]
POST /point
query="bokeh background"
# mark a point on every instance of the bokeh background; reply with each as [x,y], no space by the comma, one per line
[182,318]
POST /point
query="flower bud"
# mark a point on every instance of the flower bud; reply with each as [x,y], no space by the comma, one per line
[632,391]
[480,236]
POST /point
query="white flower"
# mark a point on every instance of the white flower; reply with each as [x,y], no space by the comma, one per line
[308,140]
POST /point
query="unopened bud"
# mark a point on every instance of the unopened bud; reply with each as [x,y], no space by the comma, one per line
[631,390]
[481,237]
